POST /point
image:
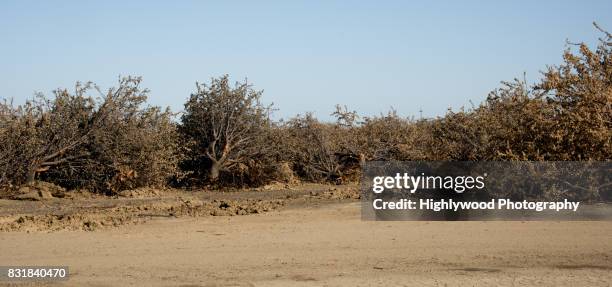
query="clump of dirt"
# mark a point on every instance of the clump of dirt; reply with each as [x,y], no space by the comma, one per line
[143,192]
[275,186]
[338,193]
[227,207]
[54,222]
[39,190]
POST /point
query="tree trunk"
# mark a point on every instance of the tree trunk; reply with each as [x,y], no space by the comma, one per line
[31,176]
[32,173]
[213,174]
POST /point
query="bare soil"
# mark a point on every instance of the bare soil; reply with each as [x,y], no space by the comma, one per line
[304,236]
[36,209]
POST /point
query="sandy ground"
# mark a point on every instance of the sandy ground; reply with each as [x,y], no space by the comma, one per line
[324,245]
[76,210]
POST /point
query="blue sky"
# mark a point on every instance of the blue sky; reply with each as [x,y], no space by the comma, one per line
[305,55]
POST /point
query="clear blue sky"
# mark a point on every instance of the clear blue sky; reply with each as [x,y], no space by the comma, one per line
[305,55]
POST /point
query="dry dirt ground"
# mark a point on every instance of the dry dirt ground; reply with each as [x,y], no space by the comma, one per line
[308,236]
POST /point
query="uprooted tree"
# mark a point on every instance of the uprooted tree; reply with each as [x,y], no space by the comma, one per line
[223,127]
[77,140]
[43,133]
[134,146]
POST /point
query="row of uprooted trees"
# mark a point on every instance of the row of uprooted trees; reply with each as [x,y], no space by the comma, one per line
[111,140]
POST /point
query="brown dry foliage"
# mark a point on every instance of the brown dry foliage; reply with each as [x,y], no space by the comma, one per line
[75,140]
[566,116]
[311,146]
[223,131]
[226,136]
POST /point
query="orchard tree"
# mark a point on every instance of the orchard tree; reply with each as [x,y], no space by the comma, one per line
[223,127]
[43,133]
[76,139]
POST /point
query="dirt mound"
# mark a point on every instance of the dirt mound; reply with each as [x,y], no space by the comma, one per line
[88,217]
[53,222]
[143,192]
[39,190]
[46,207]
[338,193]
[274,186]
